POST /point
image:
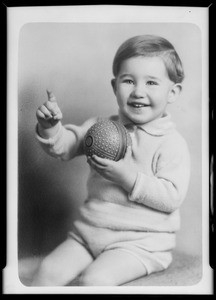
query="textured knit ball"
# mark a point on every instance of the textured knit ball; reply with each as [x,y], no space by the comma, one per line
[107,139]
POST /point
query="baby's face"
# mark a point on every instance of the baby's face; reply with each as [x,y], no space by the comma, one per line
[143,89]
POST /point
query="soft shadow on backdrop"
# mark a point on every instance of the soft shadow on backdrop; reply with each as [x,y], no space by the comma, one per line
[75,61]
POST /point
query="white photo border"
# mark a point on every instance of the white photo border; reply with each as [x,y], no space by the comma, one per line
[17,18]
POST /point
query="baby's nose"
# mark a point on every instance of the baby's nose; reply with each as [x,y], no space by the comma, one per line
[139,91]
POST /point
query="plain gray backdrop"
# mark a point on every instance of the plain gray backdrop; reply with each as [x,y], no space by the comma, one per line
[74,60]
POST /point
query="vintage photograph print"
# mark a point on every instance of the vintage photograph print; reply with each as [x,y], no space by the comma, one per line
[112,140]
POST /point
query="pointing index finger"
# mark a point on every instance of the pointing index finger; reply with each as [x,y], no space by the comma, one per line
[51,96]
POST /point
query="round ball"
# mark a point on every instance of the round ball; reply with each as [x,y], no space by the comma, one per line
[107,139]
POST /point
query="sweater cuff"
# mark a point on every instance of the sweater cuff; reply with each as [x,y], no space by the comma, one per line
[51,141]
[137,191]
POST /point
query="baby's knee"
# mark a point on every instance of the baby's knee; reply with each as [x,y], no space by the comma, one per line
[95,279]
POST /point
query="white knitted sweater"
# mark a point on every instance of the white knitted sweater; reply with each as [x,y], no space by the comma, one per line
[163,170]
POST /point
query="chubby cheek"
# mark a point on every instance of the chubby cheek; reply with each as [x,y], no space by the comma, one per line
[122,98]
[159,99]
[123,90]
[122,104]
[159,106]
[157,102]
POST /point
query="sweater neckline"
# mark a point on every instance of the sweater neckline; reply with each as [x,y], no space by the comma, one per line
[157,127]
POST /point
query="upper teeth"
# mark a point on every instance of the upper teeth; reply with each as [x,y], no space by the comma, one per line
[138,105]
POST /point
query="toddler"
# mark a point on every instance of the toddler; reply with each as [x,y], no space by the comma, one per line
[127,226]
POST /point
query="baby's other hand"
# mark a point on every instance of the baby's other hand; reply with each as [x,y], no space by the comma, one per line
[49,114]
[122,172]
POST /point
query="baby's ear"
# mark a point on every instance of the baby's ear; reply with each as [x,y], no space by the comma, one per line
[113,83]
[174,92]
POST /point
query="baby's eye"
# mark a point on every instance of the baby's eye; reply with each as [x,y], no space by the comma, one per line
[152,82]
[128,81]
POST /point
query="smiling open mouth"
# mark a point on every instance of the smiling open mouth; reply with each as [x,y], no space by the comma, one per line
[138,105]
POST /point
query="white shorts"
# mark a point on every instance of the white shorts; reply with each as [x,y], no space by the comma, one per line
[152,249]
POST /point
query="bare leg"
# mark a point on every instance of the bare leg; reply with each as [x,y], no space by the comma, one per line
[62,265]
[111,268]
[27,268]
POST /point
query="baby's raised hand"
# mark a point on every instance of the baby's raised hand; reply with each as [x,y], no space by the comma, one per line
[49,114]
[122,172]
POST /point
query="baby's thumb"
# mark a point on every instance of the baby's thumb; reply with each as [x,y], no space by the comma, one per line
[128,152]
[51,96]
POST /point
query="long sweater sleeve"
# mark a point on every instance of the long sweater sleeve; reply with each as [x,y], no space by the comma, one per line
[68,141]
[166,188]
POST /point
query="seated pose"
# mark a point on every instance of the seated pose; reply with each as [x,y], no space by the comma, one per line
[127,226]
